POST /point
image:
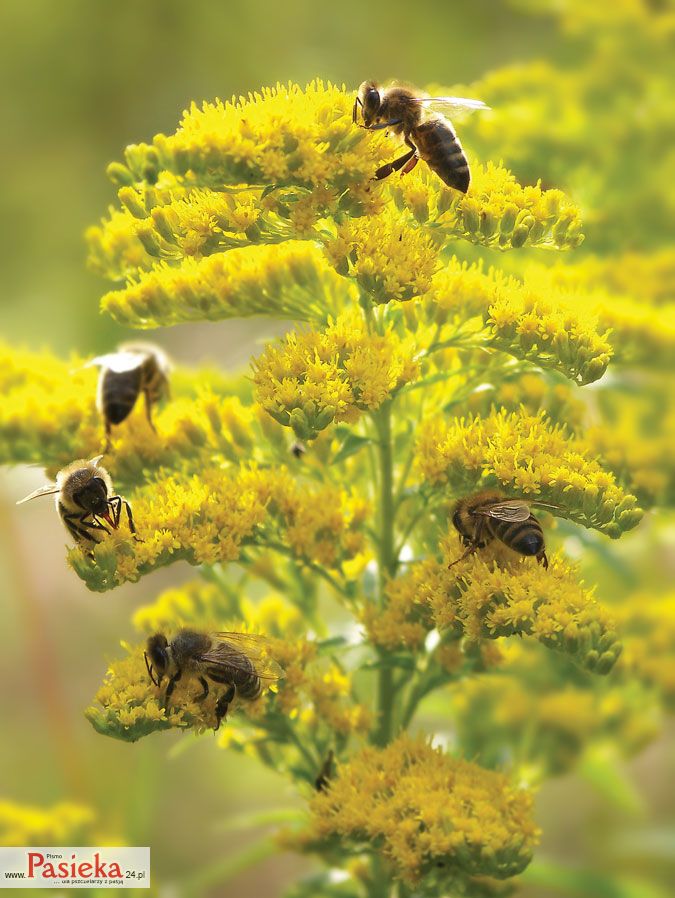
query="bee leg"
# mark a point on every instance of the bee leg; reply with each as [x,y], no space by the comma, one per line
[385,170]
[170,687]
[108,442]
[357,102]
[406,160]
[223,704]
[119,502]
[115,506]
[542,559]
[382,125]
[78,525]
[474,544]
[148,410]
[408,167]
[205,690]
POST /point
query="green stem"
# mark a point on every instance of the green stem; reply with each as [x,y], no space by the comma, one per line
[386,560]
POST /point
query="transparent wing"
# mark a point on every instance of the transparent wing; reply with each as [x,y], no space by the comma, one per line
[509,510]
[237,649]
[119,362]
[47,490]
[450,105]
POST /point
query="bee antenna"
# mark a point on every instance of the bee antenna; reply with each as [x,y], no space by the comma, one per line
[149,668]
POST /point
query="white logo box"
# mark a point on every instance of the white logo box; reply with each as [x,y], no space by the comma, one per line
[74,868]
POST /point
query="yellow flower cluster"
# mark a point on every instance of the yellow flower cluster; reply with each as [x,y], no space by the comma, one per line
[533,394]
[635,441]
[312,692]
[529,457]
[48,408]
[639,332]
[390,257]
[43,425]
[527,321]
[286,136]
[545,727]
[128,706]
[316,692]
[315,378]
[404,620]
[61,824]
[646,276]
[206,518]
[580,123]
[497,211]
[480,599]
[288,280]
[649,626]
[190,223]
[425,812]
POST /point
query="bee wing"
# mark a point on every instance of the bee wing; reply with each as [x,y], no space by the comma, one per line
[47,490]
[509,510]
[119,362]
[451,105]
[255,648]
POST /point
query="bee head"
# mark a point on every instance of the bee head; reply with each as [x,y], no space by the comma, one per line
[371,101]
[157,657]
[93,497]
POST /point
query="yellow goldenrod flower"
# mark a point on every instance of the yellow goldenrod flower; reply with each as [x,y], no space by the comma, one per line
[287,280]
[531,458]
[51,426]
[497,211]
[484,600]
[205,518]
[529,714]
[403,621]
[424,810]
[62,824]
[529,322]
[389,258]
[192,223]
[649,626]
[313,379]
[639,332]
[286,135]
[129,705]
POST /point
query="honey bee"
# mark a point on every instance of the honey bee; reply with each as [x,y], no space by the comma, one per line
[428,134]
[84,500]
[238,661]
[489,515]
[134,369]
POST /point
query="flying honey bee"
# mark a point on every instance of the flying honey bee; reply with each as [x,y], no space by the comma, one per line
[427,132]
[489,515]
[85,499]
[238,661]
[134,369]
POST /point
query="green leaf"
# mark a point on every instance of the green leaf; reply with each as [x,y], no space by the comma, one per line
[350,446]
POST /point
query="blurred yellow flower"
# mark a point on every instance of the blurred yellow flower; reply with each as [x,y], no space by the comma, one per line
[425,811]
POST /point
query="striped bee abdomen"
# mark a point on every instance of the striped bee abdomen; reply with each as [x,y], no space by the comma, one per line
[440,148]
[525,537]
[241,673]
[118,393]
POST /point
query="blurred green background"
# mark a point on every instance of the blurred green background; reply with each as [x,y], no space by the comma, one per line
[80,80]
